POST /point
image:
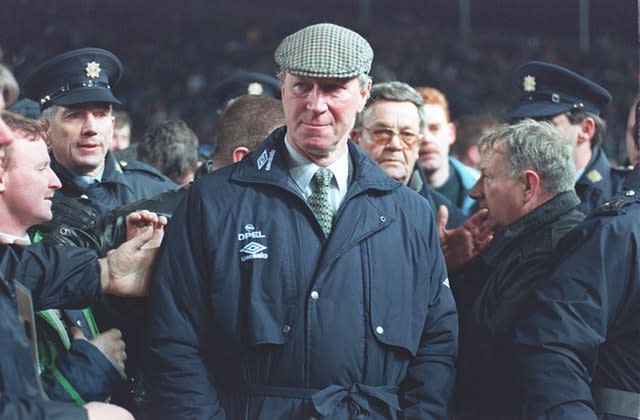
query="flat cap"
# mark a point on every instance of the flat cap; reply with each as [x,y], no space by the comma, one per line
[547,90]
[245,83]
[75,77]
[324,50]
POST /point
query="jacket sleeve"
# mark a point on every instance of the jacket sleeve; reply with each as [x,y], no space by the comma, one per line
[15,408]
[557,344]
[179,381]
[427,389]
[58,277]
[80,375]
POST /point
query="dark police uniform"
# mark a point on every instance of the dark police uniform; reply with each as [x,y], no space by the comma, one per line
[579,350]
[548,90]
[79,77]
[122,183]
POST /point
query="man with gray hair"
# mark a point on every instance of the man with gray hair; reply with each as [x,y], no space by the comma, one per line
[526,182]
[306,288]
[389,131]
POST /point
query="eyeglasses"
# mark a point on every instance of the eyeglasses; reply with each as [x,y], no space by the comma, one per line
[383,136]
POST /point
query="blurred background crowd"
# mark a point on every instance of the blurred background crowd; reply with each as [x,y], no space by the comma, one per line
[175,52]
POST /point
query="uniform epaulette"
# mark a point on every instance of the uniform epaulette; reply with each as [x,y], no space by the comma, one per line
[617,204]
[137,166]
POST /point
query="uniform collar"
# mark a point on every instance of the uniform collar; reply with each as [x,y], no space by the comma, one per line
[112,173]
[597,169]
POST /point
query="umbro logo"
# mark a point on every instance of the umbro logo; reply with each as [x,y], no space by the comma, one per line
[254,251]
[265,159]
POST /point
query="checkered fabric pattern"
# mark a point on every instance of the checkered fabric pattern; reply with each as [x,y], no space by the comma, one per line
[319,199]
[324,50]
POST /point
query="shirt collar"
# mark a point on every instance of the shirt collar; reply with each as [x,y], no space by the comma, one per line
[302,169]
[12,238]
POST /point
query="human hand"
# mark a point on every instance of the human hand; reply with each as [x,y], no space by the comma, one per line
[104,411]
[462,244]
[110,343]
[138,220]
[126,270]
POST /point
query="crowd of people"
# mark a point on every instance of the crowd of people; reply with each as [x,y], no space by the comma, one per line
[336,257]
[173,72]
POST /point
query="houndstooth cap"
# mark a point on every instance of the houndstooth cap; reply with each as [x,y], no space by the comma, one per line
[324,50]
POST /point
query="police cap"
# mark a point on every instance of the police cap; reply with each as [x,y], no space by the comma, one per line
[324,50]
[75,77]
[547,89]
[246,83]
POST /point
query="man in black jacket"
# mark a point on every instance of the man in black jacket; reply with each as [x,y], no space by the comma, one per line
[526,183]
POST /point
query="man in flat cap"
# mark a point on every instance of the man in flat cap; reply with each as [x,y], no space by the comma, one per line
[74,90]
[312,284]
[573,104]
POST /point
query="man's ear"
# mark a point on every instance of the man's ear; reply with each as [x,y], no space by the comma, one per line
[239,153]
[531,184]
[587,130]
[452,132]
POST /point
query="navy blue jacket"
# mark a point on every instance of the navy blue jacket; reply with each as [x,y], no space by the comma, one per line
[56,277]
[258,316]
[599,182]
[583,332]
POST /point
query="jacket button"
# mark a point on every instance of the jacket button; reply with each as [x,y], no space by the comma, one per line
[380,330]
[383,219]
[286,329]
[315,295]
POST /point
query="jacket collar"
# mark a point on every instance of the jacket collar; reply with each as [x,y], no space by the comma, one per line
[597,169]
[268,165]
[112,174]
[542,215]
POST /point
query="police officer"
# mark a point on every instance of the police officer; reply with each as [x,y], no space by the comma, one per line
[74,93]
[244,83]
[74,90]
[573,104]
[580,350]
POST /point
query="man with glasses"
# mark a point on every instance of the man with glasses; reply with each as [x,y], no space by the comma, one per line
[573,104]
[389,131]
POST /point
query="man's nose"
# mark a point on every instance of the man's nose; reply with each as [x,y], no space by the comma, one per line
[89,125]
[316,100]
[476,192]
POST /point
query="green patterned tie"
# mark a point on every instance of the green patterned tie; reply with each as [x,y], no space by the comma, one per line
[319,199]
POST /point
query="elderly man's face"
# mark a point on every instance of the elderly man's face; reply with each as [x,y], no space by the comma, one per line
[320,112]
[497,191]
[390,135]
[80,137]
